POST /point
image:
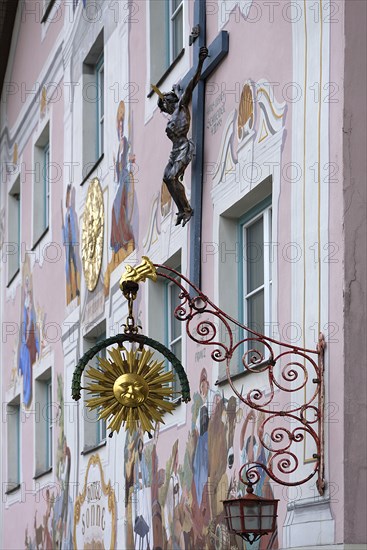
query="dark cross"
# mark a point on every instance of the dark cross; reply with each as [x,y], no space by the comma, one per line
[218,49]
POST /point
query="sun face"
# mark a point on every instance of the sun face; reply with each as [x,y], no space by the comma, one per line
[132,388]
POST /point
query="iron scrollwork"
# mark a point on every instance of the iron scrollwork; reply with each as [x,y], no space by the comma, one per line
[288,370]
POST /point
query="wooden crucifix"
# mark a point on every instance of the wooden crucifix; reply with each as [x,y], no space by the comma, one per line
[195,81]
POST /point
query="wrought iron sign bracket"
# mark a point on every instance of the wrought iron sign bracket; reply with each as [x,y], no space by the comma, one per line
[288,370]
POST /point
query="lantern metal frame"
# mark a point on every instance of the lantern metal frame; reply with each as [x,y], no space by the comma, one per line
[240,524]
[208,325]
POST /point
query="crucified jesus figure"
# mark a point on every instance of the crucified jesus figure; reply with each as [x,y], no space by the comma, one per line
[176,104]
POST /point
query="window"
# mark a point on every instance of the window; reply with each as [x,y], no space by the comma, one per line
[41,185]
[14,215]
[166,35]
[44,423]
[100,105]
[93,107]
[94,429]
[174,327]
[163,299]
[256,239]
[13,447]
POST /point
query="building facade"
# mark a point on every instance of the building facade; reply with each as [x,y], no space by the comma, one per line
[277,241]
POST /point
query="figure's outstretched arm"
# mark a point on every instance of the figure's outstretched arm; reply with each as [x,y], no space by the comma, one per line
[187,94]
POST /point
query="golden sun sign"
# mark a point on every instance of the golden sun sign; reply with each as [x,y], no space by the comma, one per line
[132,388]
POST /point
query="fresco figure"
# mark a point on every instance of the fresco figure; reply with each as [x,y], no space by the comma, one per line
[29,341]
[178,507]
[124,209]
[251,450]
[62,519]
[71,241]
[121,231]
[157,480]
[129,470]
[47,522]
[142,512]
[217,449]
[201,457]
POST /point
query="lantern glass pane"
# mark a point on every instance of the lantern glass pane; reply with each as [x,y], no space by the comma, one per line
[252,517]
[267,514]
[235,517]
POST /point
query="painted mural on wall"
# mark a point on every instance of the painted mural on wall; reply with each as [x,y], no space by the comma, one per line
[252,451]
[70,232]
[29,341]
[122,237]
[178,504]
[52,529]
[95,511]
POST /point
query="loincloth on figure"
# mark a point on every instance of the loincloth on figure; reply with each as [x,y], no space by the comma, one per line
[181,156]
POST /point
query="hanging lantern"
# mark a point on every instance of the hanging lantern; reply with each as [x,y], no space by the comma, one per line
[251,516]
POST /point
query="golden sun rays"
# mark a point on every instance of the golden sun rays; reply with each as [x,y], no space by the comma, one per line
[132,388]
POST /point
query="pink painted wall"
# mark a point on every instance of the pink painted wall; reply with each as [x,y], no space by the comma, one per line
[32,51]
[261,50]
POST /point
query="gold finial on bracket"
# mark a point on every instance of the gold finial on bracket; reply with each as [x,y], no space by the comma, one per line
[139,273]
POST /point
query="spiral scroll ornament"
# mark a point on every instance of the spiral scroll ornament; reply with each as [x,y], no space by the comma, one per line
[287,369]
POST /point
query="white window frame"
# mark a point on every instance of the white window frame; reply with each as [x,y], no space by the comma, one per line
[41,197]
[14,454]
[44,424]
[46,184]
[14,228]
[170,15]
[100,105]
[266,215]
[173,13]
[157,324]
[170,341]
[49,425]
[90,416]
[93,107]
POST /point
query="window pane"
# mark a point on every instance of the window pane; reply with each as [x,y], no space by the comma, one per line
[255,255]
[46,184]
[176,325]
[177,25]
[255,312]
[271,251]
[175,4]
[159,39]
[176,349]
[101,91]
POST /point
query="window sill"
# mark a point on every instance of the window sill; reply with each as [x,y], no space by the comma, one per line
[40,238]
[93,168]
[12,278]
[37,475]
[170,68]
[13,490]
[235,376]
[88,450]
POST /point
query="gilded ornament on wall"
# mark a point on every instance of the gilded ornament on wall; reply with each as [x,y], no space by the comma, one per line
[245,112]
[95,511]
[92,234]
